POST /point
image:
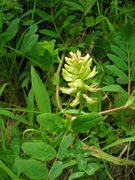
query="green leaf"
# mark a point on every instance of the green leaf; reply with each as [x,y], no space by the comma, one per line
[63,149]
[31,168]
[115,88]
[119,52]
[82,162]
[49,121]
[39,150]
[89,5]
[92,168]
[10,31]
[2,88]
[83,123]
[12,116]
[74,5]
[89,21]
[30,106]
[118,62]
[57,169]
[30,38]
[116,71]
[48,33]
[40,93]
[76,175]
[43,14]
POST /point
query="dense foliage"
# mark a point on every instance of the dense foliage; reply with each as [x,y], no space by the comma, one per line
[66,114]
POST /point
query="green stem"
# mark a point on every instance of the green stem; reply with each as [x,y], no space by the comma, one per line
[33,13]
[8,171]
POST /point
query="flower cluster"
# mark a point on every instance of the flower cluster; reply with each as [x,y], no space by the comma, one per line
[76,72]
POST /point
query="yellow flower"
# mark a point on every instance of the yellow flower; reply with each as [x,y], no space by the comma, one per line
[76,71]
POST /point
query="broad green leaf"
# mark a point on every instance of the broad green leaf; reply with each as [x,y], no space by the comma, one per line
[76,175]
[115,88]
[92,168]
[57,169]
[30,38]
[12,116]
[49,121]
[83,123]
[63,149]
[31,168]
[39,150]
[40,93]
[48,33]
[118,62]
[10,32]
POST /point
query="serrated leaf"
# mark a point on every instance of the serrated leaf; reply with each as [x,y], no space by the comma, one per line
[62,151]
[49,121]
[31,168]
[83,123]
[40,93]
[39,150]
[57,169]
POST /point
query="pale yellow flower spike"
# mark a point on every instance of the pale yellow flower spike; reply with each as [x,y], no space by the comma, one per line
[76,72]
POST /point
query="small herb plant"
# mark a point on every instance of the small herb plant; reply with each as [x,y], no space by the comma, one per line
[67,89]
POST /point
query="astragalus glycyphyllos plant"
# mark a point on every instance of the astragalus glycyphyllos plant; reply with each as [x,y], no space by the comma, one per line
[77,71]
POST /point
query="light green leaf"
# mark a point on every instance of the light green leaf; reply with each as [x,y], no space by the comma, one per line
[115,88]
[40,93]
[57,169]
[31,168]
[39,150]
[92,168]
[49,121]
[74,5]
[63,149]
[76,175]
[119,52]
[83,123]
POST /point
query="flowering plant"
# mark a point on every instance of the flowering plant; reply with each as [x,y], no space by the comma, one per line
[76,72]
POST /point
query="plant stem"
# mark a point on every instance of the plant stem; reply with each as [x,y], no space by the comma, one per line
[129,73]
